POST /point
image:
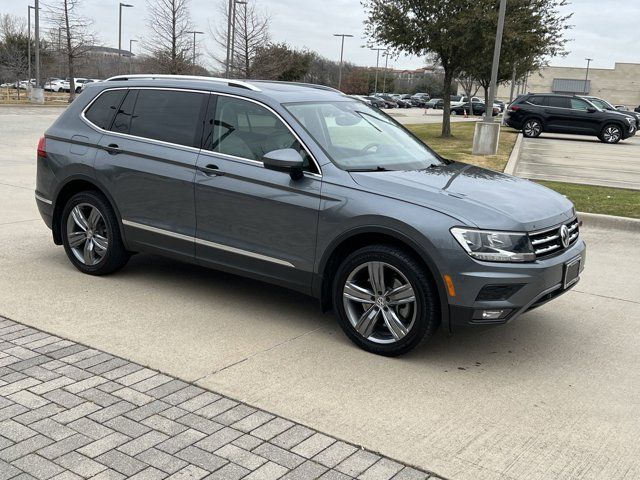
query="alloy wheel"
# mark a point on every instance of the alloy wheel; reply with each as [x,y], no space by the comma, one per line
[87,234]
[380,302]
[611,134]
[532,128]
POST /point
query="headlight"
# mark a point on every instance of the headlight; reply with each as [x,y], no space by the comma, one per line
[630,120]
[495,246]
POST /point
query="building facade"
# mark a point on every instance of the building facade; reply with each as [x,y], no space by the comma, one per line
[619,85]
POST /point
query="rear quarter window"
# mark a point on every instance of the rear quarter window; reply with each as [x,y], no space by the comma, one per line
[103,109]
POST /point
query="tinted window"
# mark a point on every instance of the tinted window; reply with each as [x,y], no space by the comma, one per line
[122,122]
[247,130]
[536,100]
[560,102]
[170,116]
[101,112]
[578,104]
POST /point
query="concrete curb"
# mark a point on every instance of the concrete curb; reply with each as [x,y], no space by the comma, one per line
[510,168]
[596,220]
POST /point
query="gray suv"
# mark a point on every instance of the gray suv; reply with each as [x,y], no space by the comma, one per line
[304,187]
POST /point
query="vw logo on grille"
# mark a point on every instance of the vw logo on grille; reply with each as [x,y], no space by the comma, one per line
[564,236]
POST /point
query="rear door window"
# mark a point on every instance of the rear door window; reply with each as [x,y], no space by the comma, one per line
[103,109]
[538,101]
[170,116]
[122,121]
[559,102]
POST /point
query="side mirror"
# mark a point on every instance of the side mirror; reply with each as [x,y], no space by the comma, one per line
[591,110]
[284,160]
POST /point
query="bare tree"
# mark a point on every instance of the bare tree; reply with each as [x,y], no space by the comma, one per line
[77,34]
[169,44]
[251,35]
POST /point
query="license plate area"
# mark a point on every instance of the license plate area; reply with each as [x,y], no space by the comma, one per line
[571,272]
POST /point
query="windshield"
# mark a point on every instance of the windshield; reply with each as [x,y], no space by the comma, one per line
[603,104]
[358,137]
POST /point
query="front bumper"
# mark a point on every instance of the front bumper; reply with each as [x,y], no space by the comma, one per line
[538,283]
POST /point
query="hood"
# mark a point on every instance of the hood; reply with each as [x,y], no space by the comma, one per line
[473,195]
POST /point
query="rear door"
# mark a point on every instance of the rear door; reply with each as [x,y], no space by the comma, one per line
[560,117]
[147,162]
[253,220]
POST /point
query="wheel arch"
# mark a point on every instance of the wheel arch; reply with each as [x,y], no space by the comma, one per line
[357,238]
[71,186]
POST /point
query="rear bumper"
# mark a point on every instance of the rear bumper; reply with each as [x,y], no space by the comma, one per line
[539,283]
[45,207]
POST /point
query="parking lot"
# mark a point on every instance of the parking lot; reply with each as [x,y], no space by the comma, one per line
[578,159]
[553,395]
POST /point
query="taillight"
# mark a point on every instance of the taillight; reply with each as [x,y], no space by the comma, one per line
[42,148]
[514,108]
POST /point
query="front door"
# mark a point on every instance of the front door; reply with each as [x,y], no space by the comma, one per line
[259,222]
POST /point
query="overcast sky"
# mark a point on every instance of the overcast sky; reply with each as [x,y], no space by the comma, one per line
[605,30]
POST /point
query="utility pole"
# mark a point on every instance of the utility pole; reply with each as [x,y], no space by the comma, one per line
[513,83]
[229,14]
[586,77]
[125,5]
[131,55]
[488,114]
[36,11]
[195,32]
[384,75]
[375,83]
[487,133]
[342,35]
[29,42]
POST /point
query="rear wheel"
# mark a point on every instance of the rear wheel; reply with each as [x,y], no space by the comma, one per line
[386,303]
[91,234]
[532,128]
[611,134]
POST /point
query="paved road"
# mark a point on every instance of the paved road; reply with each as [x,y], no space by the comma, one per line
[553,395]
[70,411]
[577,159]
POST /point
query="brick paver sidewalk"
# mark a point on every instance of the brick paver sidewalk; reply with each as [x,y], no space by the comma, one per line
[68,411]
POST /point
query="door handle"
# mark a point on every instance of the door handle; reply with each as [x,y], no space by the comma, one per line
[113,149]
[211,170]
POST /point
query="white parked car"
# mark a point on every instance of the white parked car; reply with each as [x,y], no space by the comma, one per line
[53,85]
[459,100]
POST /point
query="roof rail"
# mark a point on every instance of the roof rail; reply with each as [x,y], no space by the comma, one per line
[229,81]
[302,84]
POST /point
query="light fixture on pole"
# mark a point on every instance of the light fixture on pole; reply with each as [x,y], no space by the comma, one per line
[342,35]
[233,28]
[131,55]
[586,77]
[125,5]
[375,83]
[195,32]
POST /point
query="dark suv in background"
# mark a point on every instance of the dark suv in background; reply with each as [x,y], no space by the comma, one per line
[547,112]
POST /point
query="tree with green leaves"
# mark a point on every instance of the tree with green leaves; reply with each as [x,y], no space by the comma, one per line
[455,31]
[278,61]
[533,33]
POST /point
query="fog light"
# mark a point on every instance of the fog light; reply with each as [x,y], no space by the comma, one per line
[494,314]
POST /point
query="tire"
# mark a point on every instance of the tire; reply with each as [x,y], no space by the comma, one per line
[413,311]
[91,234]
[532,128]
[611,133]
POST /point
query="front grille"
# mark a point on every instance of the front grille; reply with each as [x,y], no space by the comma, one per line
[549,242]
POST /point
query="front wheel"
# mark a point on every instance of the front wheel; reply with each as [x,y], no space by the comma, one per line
[91,234]
[532,128]
[386,302]
[611,134]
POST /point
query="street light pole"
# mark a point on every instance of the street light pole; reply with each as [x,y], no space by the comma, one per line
[342,35]
[131,54]
[586,77]
[195,32]
[375,83]
[384,75]
[488,111]
[29,42]
[126,5]
[36,11]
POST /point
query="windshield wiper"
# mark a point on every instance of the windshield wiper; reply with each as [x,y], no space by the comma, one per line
[370,169]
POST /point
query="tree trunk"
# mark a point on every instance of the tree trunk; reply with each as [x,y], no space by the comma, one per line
[446,108]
